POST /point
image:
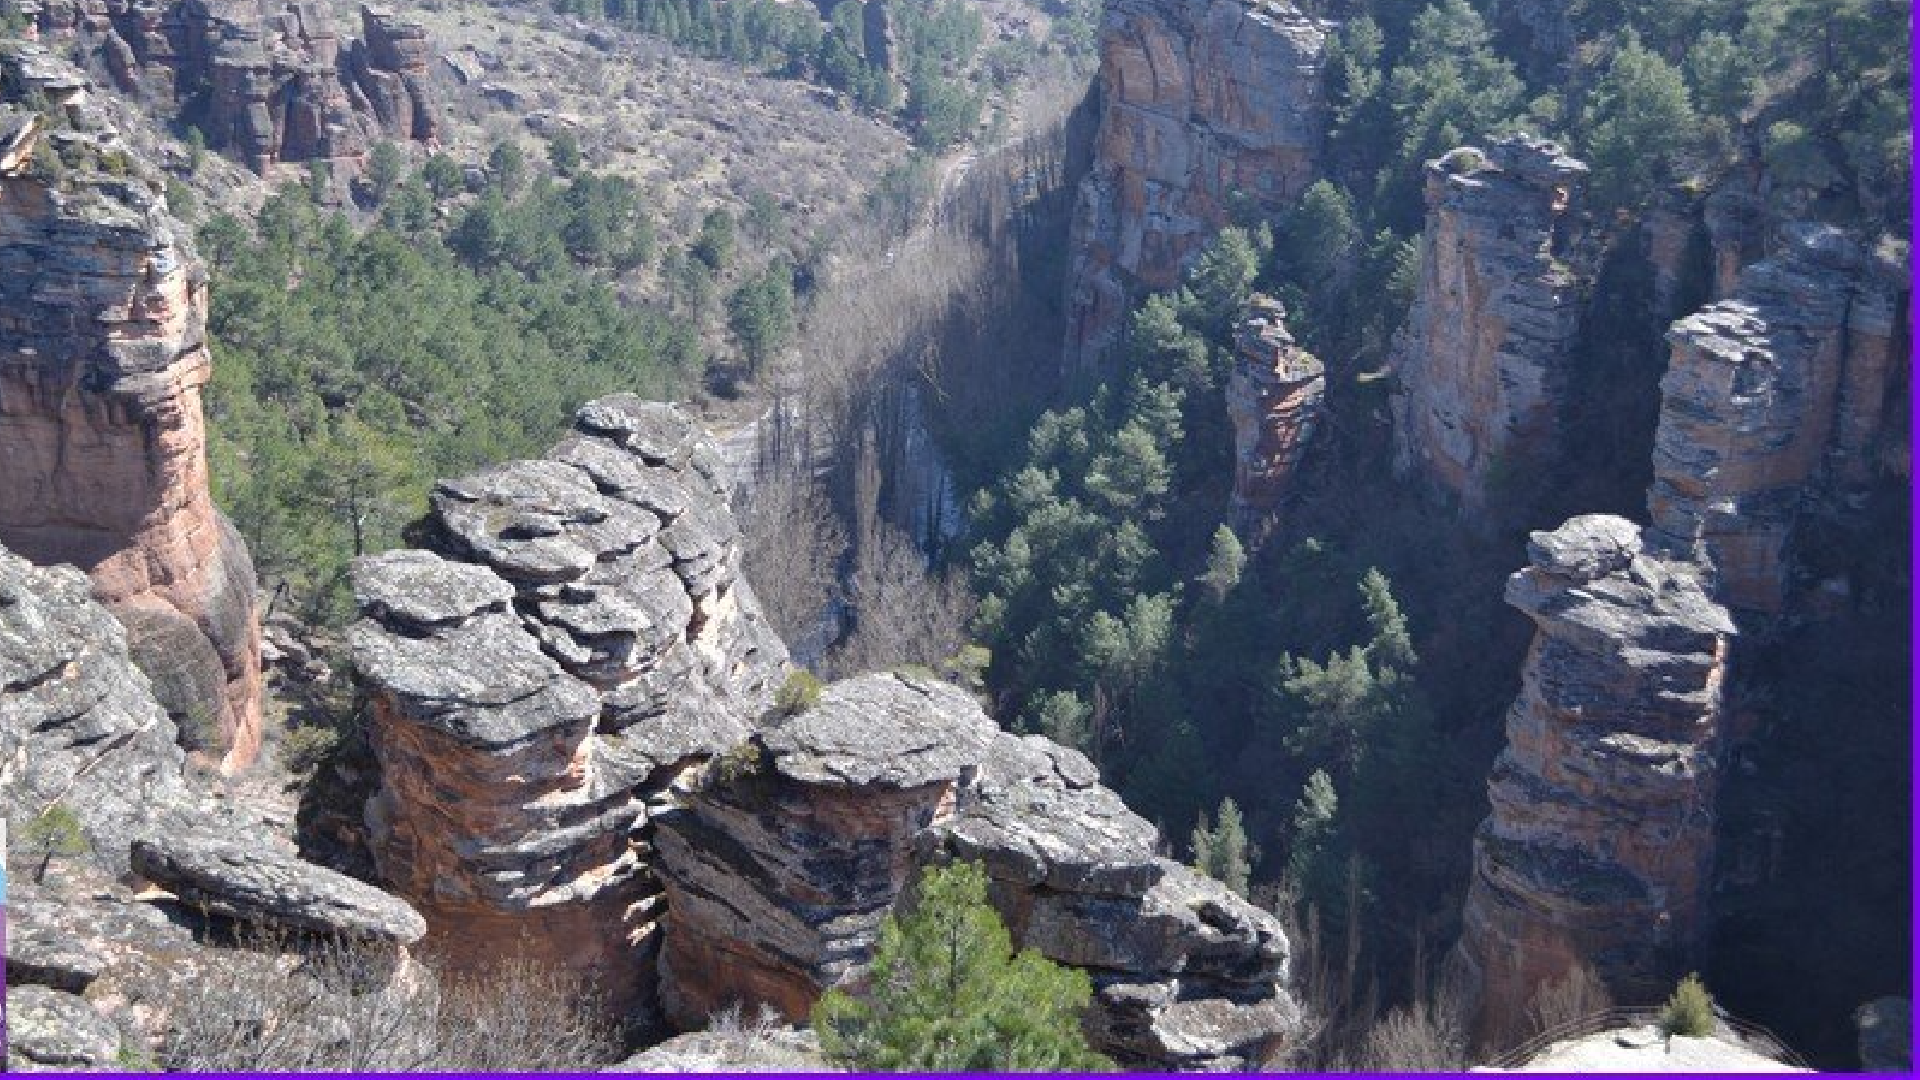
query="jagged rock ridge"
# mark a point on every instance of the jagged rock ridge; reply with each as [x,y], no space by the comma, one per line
[1599,844]
[1484,359]
[1201,105]
[103,356]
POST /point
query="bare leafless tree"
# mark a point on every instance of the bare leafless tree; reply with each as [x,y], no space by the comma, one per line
[794,545]
[1576,995]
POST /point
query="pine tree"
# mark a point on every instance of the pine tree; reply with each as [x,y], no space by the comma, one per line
[1222,852]
[949,994]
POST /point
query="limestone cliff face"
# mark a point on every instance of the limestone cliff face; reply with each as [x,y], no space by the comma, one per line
[102,359]
[1600,840]
[1274,397]
[791,849]
[1771,398]
[1484,359]
[268,83]
[575,638]
[1202,104]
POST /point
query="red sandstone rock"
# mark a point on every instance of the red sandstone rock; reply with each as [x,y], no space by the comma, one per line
[102,360]
[1273,397]
[1202,104]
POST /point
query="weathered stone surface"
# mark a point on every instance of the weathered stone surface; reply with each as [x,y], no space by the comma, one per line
[53,1028]
[1483,362]
[1600,838]
[78,723]
[578,637]
[1274,396]
[268,83]
[102,359]
[1772,397]
[258,885]
[1202,104]
[790,851]
[752,1049]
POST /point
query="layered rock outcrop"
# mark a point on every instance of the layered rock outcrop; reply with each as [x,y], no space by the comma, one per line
[94,970]
[575,639]
[1484,359]
[1771,398]
[786,857]
[1203,105]
[103,357]
[270,84]
[1274,399]
[1600,839]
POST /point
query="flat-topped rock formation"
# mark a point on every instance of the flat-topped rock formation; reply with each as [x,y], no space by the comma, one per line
[786,857]
[1484,358]
[1772,397]
[575,638]
[1599,844]
[103,357]
[1274,398]
[1202,104]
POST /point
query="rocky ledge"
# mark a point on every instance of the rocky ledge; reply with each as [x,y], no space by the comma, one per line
[792,848]
[1600,838]
[574,638]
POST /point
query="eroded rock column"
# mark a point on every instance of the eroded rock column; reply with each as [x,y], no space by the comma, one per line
[1600,840]
[1274,397]
[1484,359]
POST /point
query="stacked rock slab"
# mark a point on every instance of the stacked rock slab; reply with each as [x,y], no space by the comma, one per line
[1274,396]
[1598,847]
[271,84]
[103,355]
[788,854]
[1772,397]
[576,637]
[1484,360]
[1203,104]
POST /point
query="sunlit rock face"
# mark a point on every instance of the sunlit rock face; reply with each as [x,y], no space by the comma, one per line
[103,356]
[1204,106]
[1599,845]
[1773,397]
[1484,361]
[1275,394]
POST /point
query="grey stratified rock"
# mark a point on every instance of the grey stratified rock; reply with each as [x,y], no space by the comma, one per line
[1484,360]
[50,1027]
[255,884]
[786,857]
[577,637]
[1600,839]
[1772,397]
[78,723]
[1203,105]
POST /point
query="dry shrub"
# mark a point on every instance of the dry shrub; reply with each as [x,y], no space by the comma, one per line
[1575,996]
[341,1007]
[1422,1037]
